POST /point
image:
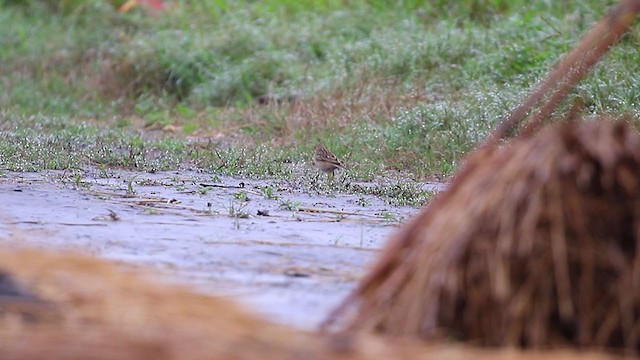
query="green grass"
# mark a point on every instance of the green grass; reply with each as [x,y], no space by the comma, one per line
[409,88]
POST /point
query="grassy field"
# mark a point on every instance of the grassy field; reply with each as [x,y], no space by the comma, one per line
[248,88]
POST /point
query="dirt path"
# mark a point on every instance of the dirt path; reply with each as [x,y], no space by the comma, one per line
[291,266]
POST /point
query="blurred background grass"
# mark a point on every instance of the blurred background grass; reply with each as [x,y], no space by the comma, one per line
[408,86]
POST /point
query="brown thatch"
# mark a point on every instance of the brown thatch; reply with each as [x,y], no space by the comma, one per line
[73,307]
[534,243]
[537,246]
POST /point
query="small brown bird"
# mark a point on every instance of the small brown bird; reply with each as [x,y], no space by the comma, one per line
[326,162]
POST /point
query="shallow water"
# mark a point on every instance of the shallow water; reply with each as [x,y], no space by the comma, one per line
[291,266]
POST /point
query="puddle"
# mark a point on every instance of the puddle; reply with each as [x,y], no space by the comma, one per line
[291,266]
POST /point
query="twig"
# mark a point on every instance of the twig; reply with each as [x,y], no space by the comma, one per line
[33,222]
[240,186]
[331,211]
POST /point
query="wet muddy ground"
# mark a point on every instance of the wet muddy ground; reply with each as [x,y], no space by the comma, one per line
[291,263]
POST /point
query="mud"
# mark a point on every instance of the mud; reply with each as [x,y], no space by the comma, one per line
[290,266]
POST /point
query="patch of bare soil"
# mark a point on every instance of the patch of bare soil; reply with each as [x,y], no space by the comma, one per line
[288,254]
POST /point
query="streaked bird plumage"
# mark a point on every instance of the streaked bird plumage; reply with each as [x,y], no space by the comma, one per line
[326,161]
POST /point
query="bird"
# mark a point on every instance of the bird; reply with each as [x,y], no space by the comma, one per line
[326,161]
